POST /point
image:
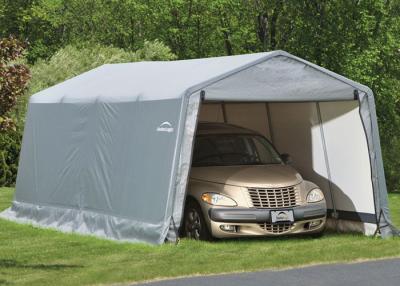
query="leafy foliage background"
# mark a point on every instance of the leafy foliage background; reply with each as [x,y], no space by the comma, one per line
[359,39]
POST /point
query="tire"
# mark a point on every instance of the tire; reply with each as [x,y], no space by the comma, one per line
[194,225]
[318,234]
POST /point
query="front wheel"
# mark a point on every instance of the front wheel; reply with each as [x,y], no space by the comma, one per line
[194,225]
[318,234]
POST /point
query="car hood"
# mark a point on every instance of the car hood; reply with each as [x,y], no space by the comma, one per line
[254,176]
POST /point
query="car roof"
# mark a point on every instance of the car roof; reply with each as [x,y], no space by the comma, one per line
[221,128]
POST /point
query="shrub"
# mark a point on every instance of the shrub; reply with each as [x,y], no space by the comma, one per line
[76,59]
[10,143]
[14,78]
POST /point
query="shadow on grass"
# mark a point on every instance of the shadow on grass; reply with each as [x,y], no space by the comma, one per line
[10,263]
[287,238]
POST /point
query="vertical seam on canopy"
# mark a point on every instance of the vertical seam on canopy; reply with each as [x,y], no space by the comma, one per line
[372,170]
[35,160]
[224,116]
[168,215]
[271,133]
[176,171]
[328,169]
[191,157]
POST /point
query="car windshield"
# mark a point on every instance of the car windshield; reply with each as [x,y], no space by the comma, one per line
[233,149]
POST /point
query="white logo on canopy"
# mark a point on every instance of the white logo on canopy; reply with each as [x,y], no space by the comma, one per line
[165,127]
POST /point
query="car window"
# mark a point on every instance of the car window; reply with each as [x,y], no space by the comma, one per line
[233,149]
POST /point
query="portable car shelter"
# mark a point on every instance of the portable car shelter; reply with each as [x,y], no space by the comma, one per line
[108,152]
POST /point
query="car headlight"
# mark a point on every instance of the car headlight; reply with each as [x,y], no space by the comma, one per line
[315,196]
[218,200]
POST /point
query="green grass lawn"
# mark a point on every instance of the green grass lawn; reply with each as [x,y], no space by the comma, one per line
[35,256]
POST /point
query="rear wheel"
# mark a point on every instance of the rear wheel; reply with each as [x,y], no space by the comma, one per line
[194,225]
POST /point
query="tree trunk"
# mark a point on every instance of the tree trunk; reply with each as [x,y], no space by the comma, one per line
[262,30]
[273,24]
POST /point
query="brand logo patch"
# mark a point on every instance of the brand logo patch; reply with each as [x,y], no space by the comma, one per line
[282,216]
[165,127]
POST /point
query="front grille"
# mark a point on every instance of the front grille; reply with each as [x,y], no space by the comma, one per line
[276,228]
[274,198]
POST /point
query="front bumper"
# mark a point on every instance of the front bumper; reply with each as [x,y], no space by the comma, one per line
[251,215]
[255,222]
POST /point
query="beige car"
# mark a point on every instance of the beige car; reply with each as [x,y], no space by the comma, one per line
[240,186]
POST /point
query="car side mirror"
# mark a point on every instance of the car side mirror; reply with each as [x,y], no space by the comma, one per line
[286,158]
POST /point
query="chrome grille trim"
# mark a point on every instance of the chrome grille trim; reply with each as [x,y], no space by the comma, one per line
[276,228]
[274,198]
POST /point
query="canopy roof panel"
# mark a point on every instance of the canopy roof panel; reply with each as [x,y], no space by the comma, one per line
[281,78]
[146,81]
[141,81]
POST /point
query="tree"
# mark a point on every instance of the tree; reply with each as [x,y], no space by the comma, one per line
[13,78]
[359,39]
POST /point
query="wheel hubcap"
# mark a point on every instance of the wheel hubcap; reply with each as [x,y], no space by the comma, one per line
[193,225]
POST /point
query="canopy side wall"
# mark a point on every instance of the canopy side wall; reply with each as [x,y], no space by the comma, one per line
[370,123]
[99,168]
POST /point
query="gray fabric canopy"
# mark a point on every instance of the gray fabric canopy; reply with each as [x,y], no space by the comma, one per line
[108,152]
